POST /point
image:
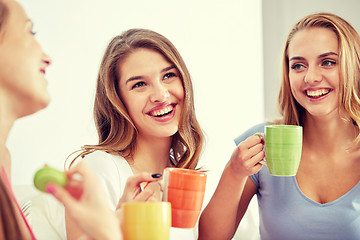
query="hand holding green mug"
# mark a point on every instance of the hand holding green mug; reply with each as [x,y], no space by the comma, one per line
[283,147]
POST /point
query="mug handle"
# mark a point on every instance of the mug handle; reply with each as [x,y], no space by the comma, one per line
[261,136]
[263,162]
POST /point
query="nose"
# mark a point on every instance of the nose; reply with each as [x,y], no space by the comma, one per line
[159,93]
[313,75]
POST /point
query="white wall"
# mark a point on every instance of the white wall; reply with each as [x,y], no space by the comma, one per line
[279,16]
[219,40]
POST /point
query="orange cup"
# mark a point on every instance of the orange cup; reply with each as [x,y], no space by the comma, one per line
[184,189]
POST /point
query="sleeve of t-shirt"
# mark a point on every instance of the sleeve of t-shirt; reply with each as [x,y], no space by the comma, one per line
[107,173]
[259,128]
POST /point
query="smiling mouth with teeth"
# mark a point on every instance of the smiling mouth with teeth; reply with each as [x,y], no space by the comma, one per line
[162,112]
[317,93]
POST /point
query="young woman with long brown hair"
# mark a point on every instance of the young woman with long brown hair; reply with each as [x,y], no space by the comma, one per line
[145,118]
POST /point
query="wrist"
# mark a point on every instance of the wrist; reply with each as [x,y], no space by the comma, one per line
[109,234]
[111,230]
[233,174]
[233,170]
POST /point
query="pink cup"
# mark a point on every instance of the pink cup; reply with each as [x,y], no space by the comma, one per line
[184,189]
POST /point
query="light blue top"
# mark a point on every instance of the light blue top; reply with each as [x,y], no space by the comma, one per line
[286,213]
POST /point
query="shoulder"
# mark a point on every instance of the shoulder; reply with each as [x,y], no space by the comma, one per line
[103,158]
[101,161]
[251,131]
[112,172]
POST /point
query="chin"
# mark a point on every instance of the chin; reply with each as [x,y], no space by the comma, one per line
[43,101]
[169,133]
[36,106]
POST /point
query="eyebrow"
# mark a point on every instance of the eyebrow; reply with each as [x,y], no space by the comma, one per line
[320,56]
[134,78]
[328,54]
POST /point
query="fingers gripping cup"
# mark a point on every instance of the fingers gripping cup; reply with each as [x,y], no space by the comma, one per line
[49,175]
[283,147]
[184,189]
[146,220]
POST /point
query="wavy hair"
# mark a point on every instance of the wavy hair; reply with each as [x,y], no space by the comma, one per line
[116,130]
[9,227]
[349,62]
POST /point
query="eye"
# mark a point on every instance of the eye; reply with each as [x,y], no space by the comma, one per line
[169,75]
[297,66]
[138,84]
[328,63]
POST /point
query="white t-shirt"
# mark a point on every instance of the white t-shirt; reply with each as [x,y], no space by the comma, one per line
[113,172]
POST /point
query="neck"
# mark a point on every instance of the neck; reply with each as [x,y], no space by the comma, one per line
[329,134]
[151,155]
[7,119]
[8,115]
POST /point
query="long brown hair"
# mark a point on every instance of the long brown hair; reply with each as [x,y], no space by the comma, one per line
[116,130]
[4,12]
[349,61]
[9,227]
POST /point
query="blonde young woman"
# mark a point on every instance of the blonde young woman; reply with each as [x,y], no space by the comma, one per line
[23,92]
[145,118]
[319,91]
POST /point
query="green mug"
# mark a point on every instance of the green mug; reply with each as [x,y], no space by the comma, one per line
[283,147]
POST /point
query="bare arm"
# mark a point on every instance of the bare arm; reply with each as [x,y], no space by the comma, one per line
[86,207]
[233,193]
[73,232]
[132,192]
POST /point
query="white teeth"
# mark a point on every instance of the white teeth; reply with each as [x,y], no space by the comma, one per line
[162,111]
[317,93]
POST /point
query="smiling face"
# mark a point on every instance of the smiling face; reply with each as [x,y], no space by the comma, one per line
[22,62]
[314,70]
[152,91]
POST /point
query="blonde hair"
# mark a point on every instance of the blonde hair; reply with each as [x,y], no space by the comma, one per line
[349,62]
[116,130]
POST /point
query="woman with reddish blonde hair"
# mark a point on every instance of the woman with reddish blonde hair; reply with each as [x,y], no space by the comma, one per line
[23,92]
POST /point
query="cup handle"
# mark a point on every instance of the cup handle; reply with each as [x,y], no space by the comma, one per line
[263,162]
[261,136]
